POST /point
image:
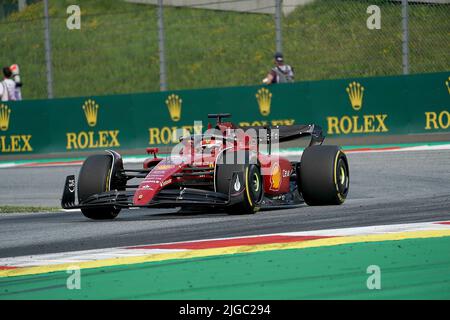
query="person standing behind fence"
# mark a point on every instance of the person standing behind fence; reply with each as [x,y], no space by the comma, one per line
[281,73]
[7,86]
[16,78]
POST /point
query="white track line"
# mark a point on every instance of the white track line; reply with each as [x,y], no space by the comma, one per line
[111,253]
[79,256]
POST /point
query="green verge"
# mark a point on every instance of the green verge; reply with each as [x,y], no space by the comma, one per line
[205,48]
[25,209]
[410,269]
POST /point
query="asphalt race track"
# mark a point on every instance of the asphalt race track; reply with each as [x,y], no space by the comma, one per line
[386,188]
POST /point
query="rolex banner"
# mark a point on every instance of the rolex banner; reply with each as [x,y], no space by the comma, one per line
[417,104]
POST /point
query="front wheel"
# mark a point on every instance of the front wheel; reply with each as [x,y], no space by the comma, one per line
[323,176]
[96,177]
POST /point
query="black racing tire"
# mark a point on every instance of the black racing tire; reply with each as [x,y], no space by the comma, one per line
[94,178]
[324,176]
[253,186]
[253,191]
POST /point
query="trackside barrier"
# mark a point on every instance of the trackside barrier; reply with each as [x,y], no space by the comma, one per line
[415,104]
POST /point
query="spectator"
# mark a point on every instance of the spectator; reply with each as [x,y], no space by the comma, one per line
[281,73]
[7,86]
[16,78]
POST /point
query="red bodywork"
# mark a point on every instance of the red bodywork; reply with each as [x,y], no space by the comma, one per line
[201,157]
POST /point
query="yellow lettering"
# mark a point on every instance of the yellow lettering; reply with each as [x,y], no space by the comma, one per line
[26,143]
[92,140]
[103,139]
[381,126]
[187,130]
[277,122]
[175,134]
[355,125]
[430,117]
[289,122]
[441,119]
[368,123]
[83,140]
[114,138]
[333,125]
[346,129]
[433,120]
[15,143]
[166,135]
[5,147]
[71,141]
[15,146]
[154,136]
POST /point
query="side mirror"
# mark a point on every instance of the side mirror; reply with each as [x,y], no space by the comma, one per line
[153,151]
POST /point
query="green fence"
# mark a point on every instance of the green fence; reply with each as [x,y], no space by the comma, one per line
[416,104]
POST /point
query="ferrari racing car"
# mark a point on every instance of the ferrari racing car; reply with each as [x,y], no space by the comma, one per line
[229,170]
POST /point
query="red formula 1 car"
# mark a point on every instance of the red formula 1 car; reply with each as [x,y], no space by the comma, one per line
[228,168]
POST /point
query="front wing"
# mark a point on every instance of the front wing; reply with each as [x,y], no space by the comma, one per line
[172,198]
[166,198]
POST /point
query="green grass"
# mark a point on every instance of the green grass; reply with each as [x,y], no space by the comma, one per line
[27,209]
[410,269]
[116,50]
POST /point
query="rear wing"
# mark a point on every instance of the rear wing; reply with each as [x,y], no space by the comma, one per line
[289,133]
[267,135]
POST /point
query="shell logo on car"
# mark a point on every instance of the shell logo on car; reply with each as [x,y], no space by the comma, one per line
[275,177]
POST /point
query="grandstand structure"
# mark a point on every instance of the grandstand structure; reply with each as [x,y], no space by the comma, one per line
[257,6]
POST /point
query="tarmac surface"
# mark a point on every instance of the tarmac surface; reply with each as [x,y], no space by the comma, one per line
[385,188]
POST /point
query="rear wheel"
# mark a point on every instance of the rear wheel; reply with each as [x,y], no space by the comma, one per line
[94,178]
[323,177]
